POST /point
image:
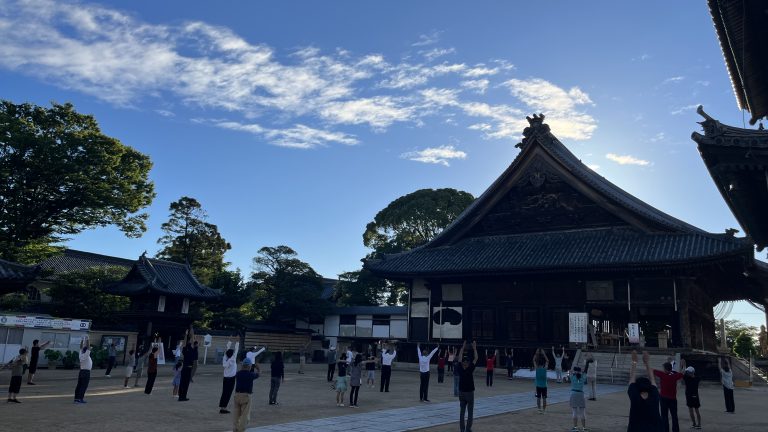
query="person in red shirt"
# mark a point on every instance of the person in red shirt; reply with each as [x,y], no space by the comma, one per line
[441,366]
[490,363]
[668,395]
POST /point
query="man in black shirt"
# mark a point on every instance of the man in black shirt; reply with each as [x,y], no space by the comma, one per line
[466,386]
[34,359]
[188,354]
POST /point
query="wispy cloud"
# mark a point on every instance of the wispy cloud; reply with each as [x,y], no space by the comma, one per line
[593,167]
[684,109]
[427,39]
[254,88]
[658,137]
[672,80]
[435,155]
[641,57]
[298,136]
[626,159]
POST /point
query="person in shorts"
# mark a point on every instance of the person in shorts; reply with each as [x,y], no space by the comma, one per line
[17,372]
[370,369]
[692,400]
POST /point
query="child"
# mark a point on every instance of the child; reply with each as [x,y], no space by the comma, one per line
[490,363]
[692,394]
[510,363]
[578,404]
[17,371]
[129,367]
[341,380]
[176,377]
[441,366]
[370,368]
[355,379]
[541,362]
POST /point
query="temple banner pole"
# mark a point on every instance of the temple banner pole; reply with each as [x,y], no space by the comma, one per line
[674,289]
[629,297]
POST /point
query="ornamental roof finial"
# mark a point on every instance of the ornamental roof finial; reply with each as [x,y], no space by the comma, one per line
[536,124]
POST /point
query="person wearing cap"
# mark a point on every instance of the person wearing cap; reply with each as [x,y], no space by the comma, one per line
[464,371]
[243,391]
[692,394]
[644,414]
[668,379]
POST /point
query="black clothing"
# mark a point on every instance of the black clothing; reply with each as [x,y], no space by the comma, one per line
[489,378]
[644,414]
[227,387]
[189,355]
[669,407]
[33,359]
[692,391]
[15,385]
[370,366]
[466,403]
[186,377]
[331,371]
[83,378]
[353,392]
[424,386]
[278,370]
[343,368]
[730,405]
[110,364]
[466,380]
[386,374]
[150,382]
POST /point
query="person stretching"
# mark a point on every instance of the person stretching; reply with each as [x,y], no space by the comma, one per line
[668,395]
[541,363]
[577,402]
[691,381]
[387,357]
[464,371]
[424,359]
[558,363]
[490,363]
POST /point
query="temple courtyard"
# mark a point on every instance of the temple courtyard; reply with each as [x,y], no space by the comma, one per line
[306,403]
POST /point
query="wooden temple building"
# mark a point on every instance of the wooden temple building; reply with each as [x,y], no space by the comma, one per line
[550,236]
[15,277]
[161,294]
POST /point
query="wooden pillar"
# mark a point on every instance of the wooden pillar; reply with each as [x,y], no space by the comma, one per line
[683,313]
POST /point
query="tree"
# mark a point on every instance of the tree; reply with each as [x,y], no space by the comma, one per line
[233,309]
[190,239]
[285,288]
[359,288]
[410,221]
[734,328]
[59,175]
[79,294]
[414,219]
[744,345]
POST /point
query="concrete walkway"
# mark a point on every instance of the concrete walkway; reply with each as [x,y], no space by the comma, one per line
[426,414]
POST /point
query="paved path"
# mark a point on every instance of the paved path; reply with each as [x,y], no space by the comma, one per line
[426,415]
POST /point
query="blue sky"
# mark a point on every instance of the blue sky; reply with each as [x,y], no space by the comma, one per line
[295,122]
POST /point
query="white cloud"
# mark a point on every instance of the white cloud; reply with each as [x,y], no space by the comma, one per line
[674,79]
[480,85]
[299,136]
[626,159]
[428,39]
[684,109]
[437,52]
[165,113]
[435,155]
[642,57]
[593,167]
[703,83]
[561,107]
[379,112]
[658,137]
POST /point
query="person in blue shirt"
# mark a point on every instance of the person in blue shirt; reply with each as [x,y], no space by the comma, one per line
[243,391]
[541,363]
[577,401]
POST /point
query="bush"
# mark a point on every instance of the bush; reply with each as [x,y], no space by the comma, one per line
[70,359]
[99,355]
[52,355]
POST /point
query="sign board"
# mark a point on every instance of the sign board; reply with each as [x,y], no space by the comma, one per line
[577,327]
[207,340]
[633,332]
[44,322]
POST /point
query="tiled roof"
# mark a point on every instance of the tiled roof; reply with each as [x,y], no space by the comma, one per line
[597,249]
[13,272]
[162,277]
[74,260]
[369,310]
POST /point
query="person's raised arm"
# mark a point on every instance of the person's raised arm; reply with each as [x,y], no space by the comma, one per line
[45,344]
[648,370]
[553,351]
[418,350]
[433,352]
[461,352]
[633,367]
[264,348]
[474,350]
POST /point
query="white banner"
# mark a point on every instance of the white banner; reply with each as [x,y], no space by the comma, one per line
[577,327]
[633,332]
[44,322]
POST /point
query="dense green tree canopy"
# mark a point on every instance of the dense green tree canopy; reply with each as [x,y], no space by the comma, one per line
[189,238]
[359,288]
[60,175]
[234,308]
[79,294]
[285,288]
[407,222]
[414,219]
